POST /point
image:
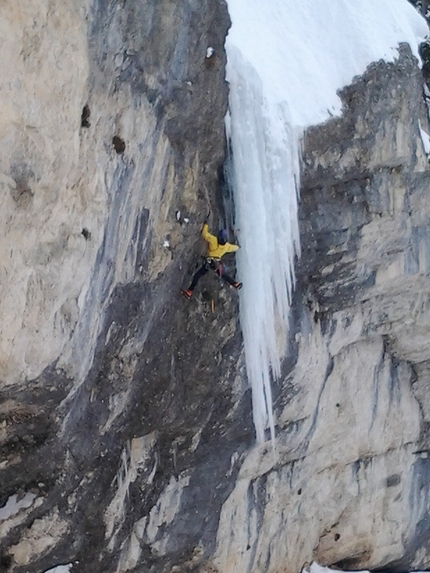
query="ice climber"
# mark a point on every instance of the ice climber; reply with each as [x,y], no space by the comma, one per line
[217,247]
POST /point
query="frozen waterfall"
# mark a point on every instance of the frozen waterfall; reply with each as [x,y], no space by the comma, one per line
[286,61]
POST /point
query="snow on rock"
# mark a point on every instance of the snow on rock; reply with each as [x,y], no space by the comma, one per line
[313,48]
[315,568]
[60,569]
[15,512]
[12,506]
[425,138]
[278,87]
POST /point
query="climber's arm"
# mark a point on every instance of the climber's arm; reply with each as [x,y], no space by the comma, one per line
[211,239]
[231,248]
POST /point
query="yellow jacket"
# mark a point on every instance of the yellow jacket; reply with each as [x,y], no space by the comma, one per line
[215,250]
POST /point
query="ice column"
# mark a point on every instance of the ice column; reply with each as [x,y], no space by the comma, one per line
[265,172]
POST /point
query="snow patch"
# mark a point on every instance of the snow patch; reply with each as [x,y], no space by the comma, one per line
[310,49]
[315,568]
[60,569]
[425,138]
[13,506]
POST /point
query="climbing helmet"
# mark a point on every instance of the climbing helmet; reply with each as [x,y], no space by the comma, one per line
[222,237]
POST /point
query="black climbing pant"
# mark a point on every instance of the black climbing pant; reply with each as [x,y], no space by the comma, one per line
[214,265]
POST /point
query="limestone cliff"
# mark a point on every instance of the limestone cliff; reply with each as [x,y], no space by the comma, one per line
[121,404]
[125,424]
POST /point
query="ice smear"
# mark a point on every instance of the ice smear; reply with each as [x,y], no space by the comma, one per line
[60,569]
[13,506]
[286,61]
[425,138]
[315,568]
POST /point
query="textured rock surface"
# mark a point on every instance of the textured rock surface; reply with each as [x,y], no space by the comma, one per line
[125,427]
[48,195]
[123,407]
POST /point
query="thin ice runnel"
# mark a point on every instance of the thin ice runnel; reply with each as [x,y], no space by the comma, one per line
[266,174]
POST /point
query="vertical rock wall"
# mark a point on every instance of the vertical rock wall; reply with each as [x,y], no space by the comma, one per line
[48,196]
[124,409]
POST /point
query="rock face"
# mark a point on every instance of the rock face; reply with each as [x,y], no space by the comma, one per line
[125,417]
[123,406]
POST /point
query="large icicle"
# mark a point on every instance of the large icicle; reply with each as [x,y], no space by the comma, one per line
[286,61]
[265,170]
